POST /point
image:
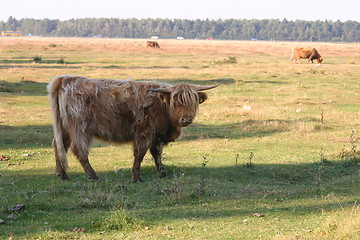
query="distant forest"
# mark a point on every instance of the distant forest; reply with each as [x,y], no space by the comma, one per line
[230,29]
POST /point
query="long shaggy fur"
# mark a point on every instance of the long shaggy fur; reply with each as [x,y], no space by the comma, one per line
[118,111]
[302,53]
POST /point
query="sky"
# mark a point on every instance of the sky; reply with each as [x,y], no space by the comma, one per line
[310,10]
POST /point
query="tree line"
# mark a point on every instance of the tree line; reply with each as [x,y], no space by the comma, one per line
[229,29]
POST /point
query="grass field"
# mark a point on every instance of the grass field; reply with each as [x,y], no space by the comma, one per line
[273,153]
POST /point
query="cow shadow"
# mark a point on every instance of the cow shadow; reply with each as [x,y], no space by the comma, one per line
[33,136]
[187,193]
[245,129]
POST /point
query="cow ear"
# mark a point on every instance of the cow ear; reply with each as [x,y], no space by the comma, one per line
[202,97]
[165,97]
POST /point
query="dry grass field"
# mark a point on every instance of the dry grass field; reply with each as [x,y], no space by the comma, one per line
[272,154]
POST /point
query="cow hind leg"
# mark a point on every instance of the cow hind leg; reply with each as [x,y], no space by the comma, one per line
[81,151]
[156,152]
[60,168]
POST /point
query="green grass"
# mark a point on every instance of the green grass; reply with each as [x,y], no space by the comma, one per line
[292,156]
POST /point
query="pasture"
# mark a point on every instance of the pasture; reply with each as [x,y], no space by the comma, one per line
[272,154]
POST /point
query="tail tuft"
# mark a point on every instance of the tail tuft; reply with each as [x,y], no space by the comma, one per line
[292,55]
[53,90]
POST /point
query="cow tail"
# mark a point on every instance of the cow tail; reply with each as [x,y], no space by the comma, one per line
[292,55]
[53,89]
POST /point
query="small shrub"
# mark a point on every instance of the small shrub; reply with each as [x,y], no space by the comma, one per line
[351,155]
[313,71]
[250,164]
[183,189]
[318,179]
[236,159]
[53,45]
[60,61]
[118,220]
[229,60]
[37,59]
[204,162]
[321,127]
[178,191]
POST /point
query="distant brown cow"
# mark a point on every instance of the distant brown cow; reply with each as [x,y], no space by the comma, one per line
[148,114]
[153,44]
[309,53]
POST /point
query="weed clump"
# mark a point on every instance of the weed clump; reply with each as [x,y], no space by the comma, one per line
[229,60]
[184,189]
[180,190]
[250,163]
[351,155]
[117,220]
[37,59]
[61,61]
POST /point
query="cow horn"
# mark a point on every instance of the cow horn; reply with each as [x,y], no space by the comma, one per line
[197,88]
[203,88]
[162,90]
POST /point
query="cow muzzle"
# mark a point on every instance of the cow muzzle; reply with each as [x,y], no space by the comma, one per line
[185,121]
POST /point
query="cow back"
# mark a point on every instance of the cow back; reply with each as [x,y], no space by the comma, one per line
[106,109]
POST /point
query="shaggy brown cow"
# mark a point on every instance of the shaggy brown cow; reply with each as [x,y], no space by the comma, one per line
[310,53]
[153,44]
[148,114]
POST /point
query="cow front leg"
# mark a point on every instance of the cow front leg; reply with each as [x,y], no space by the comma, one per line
[143,138]
[138,158]
[156,152]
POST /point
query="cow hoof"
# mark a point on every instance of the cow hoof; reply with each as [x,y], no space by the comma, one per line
[139,180]
[94,179]
[162,174]
[63,176]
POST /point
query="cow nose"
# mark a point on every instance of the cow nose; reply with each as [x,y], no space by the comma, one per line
[185,121]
